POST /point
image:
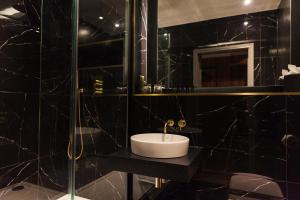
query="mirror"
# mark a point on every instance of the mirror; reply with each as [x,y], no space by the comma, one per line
[211,45]
[102,43]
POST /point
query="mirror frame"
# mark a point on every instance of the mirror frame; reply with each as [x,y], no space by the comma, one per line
[197,78]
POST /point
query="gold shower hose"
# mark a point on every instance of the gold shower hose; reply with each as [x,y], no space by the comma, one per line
[81,135]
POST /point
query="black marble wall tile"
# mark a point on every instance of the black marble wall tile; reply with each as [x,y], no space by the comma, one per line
[55,95]
[284,33]
[18,146]
[292,142]
[105,117]
[19,86]
[295,42]
[101,58]
[239,134]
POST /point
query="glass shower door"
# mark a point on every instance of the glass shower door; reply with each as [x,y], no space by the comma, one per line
[58,97]
[37,98]
[102,82]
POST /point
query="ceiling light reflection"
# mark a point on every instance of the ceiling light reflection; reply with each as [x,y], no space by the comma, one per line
[247,2]
[83,32]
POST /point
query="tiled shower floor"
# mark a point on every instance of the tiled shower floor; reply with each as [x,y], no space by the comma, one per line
[97,190]
[29,192]
[111,186]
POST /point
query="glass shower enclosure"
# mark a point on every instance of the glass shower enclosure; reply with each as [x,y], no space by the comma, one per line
[63,98]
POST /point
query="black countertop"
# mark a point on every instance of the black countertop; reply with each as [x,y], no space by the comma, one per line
[177,169]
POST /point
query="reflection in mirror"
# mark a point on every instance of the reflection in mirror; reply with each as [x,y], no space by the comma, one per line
[101,38]
[228,45]
[226,66]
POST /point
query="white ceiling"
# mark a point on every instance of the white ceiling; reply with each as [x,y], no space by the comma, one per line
[175,12]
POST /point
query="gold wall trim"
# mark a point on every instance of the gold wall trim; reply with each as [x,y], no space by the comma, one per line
[222,94]
[104,95]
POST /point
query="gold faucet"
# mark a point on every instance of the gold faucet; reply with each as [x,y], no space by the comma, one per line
[181,124]
[170,123]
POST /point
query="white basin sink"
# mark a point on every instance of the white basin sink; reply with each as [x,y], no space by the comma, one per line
[152,145]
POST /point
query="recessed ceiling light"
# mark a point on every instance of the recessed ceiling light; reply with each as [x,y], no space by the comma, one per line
[117,25]
[247,2]
[166,34]
[101,18]
[246,23]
